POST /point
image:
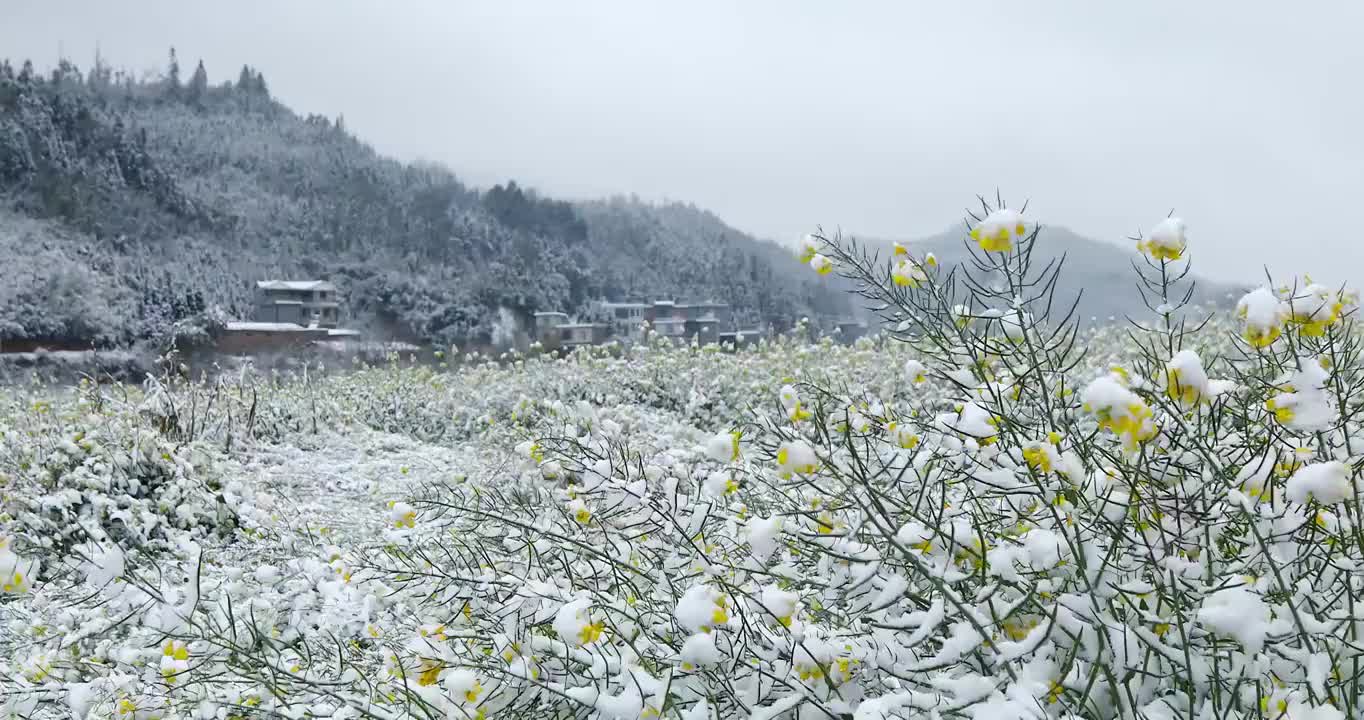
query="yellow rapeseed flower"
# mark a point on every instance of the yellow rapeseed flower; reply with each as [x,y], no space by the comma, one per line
[997,231]
[589,633]
[1038,458]
[430,672]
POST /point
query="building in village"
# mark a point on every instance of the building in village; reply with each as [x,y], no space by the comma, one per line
[574,335]
[286,315]
[309,303]
[547,328]
[554,330]
[630,322]
[628,319]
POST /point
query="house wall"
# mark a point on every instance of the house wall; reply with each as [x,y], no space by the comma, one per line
[50,344]
[547,332]
[627,321]
[578,336]
[300,307]
[255,341]
[705,332]
[266,312]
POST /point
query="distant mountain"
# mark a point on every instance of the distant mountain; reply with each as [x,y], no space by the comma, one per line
[1100,273]
[126,206]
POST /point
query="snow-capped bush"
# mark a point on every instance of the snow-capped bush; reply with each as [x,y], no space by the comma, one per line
[74,471]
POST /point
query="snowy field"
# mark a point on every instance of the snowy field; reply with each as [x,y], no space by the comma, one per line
[999,519]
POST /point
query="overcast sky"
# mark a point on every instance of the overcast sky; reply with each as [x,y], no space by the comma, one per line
[884,118]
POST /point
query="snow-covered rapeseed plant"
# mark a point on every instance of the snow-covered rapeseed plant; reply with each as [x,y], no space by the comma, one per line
[1189,508]
[1314,307]
[1166,241]
[999,230]
[16,573]
[821,264]
[809,247]
[1119,410]
[724,447]
[402,515]
[1263,314]
[909,273]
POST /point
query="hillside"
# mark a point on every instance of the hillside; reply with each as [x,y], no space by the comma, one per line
[128,205]
[1099,273]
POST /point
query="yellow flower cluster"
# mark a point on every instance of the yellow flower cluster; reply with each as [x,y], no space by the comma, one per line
[174,660]
[904,437]
[909,272]
[402,515]
[16,573]
[796,457]
[1315,308]
[809,248]
[589,633]
[1120,411]
[999,229]
[791,401]
[1040,456]
[1166,241]
[1263,315]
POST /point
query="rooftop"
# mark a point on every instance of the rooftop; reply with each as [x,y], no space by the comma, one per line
[296,285]
[267,327]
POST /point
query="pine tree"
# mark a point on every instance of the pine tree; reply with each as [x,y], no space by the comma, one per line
[173,75]
[65,73]
[198,84]
[245,81]
[100,75]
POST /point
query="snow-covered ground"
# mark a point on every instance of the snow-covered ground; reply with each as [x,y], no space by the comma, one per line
[998,523]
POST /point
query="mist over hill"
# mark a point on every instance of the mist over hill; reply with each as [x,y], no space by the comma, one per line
[127,205]
[1099,273]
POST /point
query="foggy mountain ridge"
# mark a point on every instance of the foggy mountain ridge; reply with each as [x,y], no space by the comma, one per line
[1101,269]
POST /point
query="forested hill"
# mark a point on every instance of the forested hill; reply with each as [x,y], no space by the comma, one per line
[126,205]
